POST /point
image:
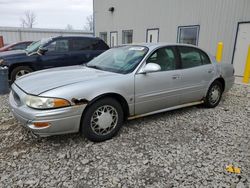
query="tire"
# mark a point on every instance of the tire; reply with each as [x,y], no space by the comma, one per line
[214,95]
[16,72]
[94,129]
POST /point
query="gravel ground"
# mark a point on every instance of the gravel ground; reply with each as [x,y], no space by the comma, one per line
[189,147]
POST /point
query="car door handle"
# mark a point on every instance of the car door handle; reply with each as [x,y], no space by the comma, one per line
[175,77]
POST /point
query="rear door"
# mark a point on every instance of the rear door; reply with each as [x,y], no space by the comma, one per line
[196,73]
[158,90]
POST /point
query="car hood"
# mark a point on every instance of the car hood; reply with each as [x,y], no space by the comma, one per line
[12,54]
[39,82]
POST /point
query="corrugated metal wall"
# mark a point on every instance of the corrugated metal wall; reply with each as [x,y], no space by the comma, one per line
[15,34]
[218,19]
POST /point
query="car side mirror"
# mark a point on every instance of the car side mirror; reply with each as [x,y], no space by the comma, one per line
[42,50]
[151,67]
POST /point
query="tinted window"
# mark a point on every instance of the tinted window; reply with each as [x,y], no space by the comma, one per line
[80,44]
[87,44]
[164,57]
[99,45]
[205,59]
[190,57]
[60,45]
[188,35]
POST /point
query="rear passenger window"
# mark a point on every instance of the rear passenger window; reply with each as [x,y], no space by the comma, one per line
[87,44]
[205,58]
[78,44]
[190,57]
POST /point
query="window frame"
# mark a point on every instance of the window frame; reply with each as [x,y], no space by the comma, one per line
[123,38]
[150,29]
[198,50]
[188,26]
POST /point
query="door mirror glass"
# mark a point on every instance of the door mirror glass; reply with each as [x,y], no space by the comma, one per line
[151,67]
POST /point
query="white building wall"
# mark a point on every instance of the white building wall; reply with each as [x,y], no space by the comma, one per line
[15,34]
[218,19]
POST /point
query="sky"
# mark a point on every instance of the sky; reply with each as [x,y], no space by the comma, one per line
[49,13]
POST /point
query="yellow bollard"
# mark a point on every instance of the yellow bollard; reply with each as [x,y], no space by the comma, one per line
[247,68]
[219,52]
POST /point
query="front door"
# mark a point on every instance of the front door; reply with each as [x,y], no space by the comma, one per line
[158,90]
[241,48]
[153,35]
[58,55]
[113,39]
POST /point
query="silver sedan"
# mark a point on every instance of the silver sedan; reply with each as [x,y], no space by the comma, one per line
[123,83]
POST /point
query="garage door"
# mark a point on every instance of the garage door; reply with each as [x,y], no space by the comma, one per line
[241,48]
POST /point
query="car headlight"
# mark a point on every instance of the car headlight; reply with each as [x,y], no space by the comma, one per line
[1,61]
[45,103]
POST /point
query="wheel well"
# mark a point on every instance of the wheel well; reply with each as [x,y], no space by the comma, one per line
[115,96]
[12,67]
[222,81]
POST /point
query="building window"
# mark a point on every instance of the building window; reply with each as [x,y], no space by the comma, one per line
[104,36]
[127,37]
[188,34]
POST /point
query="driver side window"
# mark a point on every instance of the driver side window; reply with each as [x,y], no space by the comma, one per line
[165,57]
[59,46]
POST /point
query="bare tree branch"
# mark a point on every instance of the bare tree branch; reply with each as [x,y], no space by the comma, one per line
[89,26]
[28,20]
[69,27]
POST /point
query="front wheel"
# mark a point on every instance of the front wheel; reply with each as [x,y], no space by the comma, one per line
[19,71]
[214,95]
[102,120]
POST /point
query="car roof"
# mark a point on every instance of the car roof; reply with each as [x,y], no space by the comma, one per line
[153,46]
[161,44]
[75,36]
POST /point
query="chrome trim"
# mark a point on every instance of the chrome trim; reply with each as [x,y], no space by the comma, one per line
[165,110]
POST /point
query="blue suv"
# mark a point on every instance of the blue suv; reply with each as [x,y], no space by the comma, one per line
[52,52]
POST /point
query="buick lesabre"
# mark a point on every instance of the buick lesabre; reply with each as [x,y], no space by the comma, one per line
[123,83]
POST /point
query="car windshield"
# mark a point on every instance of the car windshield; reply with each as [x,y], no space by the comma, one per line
[119,60]
[35,45]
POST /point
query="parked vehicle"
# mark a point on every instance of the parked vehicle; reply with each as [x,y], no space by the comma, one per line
[50,53]
[16,46]
[122,83]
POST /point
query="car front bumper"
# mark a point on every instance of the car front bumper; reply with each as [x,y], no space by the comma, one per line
[61,121]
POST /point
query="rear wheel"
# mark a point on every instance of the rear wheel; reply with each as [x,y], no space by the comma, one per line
[102,120]
[19,71]
[214,95]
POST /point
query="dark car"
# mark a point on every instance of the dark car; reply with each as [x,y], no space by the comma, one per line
[16,46]
[52,52]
